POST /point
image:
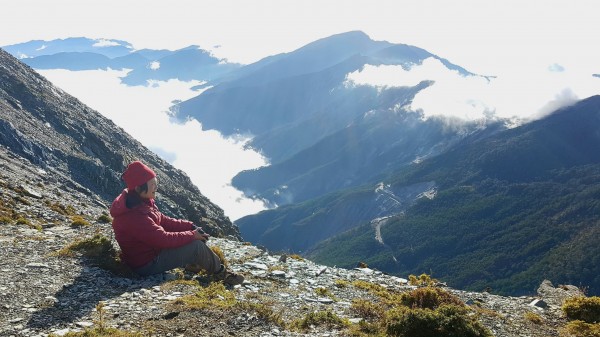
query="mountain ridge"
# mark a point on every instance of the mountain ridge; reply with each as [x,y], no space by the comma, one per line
[185,64]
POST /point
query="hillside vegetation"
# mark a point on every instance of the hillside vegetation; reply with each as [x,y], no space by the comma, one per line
[509,211]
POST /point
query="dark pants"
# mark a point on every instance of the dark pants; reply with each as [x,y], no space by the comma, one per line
[195,253]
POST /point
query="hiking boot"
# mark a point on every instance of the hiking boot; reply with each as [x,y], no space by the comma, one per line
[228,277]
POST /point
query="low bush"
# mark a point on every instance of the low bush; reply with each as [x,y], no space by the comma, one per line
[319,318]
[104,218]
[62,209]
[586,309]
[367,309]
[533,317]
[580,329]
[445,321]
[429,298]
[421,281]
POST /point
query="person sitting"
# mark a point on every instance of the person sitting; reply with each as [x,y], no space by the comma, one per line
[152,242]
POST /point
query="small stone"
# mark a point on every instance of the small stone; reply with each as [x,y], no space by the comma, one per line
[539,304]
[31,192]
[278,273]
[365,270]
[325,300]
[321,271]
[256,265]
[62,332]
[37,265]
[84,324]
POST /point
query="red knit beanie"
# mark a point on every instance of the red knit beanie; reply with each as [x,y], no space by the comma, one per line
[137,174]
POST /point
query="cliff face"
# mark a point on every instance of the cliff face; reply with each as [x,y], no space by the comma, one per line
[62,136]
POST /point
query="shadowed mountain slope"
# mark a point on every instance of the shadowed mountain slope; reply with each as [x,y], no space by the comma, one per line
[62,136]
[509,210]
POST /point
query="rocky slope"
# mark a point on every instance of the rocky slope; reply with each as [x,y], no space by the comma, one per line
[42,293]
[67,139]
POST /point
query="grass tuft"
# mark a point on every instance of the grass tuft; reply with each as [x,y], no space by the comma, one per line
[220,254]
[214,296]
[533,318]
[320,318]
[79,221]
[104,218]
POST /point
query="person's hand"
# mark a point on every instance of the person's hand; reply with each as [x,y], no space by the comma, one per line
[201,236]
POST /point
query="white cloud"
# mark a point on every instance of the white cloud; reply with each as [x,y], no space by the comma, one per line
[526,95]
[41,48]
[154,65]
[106,43]
[555,67]
[209,159]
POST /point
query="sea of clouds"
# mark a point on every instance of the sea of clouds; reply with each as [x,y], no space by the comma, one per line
[212,160]
[209,159]
[526,95]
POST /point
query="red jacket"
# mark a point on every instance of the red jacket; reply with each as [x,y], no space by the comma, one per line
[143,231]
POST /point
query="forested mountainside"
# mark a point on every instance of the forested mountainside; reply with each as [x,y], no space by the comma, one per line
[508,211]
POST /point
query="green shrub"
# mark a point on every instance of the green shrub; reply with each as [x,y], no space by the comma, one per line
[422,280]
[581,308]
[23,221]
[533,317]
[341,283]
[62,209]
[5,220]
[264,311]
[366,309]
[429,298]
[214,296]
[362,265]
[296,257]
[79,221]
[365,329]
[104,218]
[319,318]
[581,329]
[445,321]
